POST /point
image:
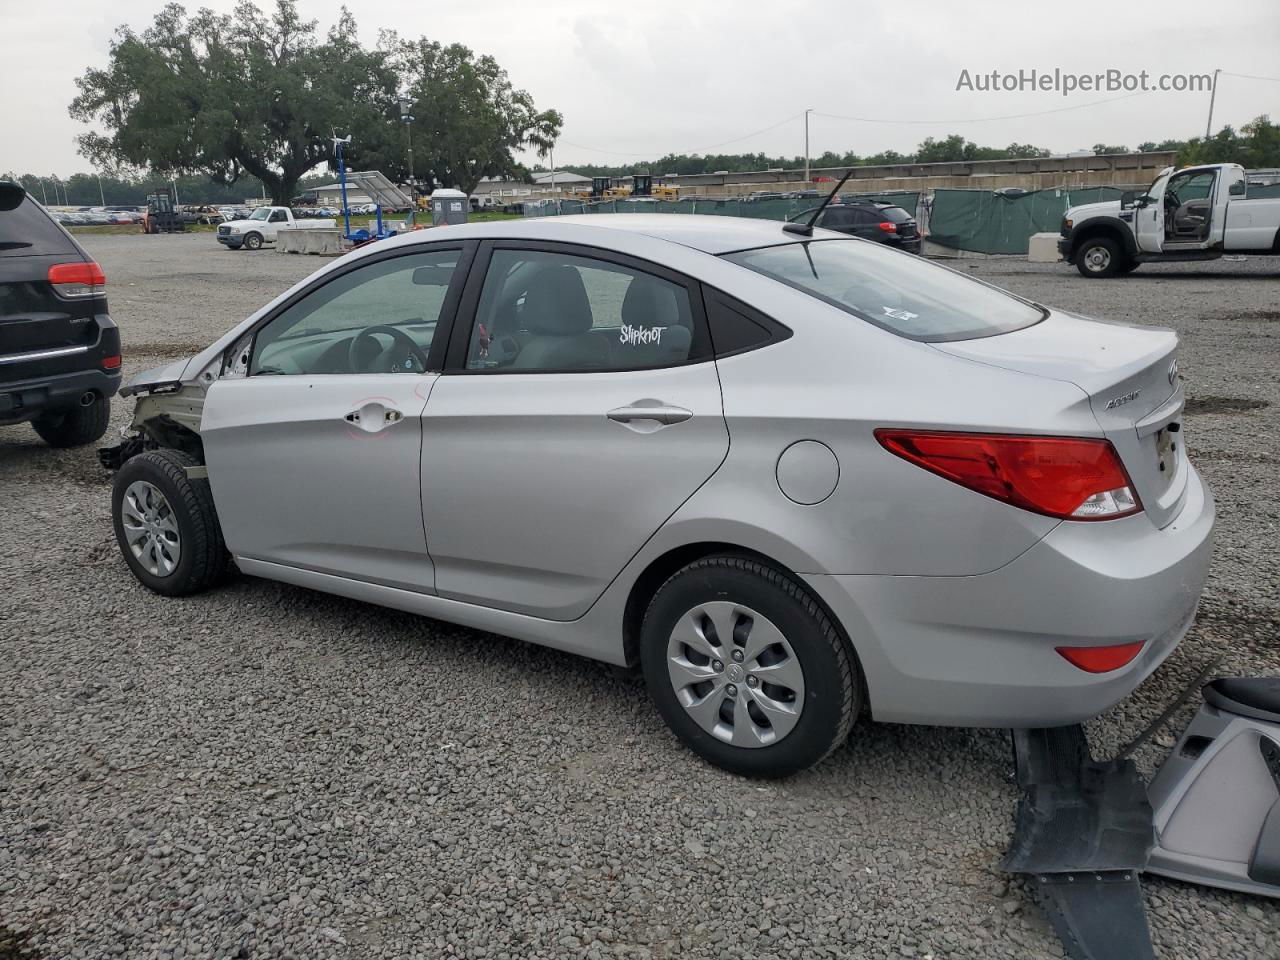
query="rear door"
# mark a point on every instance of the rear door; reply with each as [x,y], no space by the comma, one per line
[580,408]
[313,434]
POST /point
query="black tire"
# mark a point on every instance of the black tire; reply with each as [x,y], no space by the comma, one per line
[202,557]
[1099,258]
[253,241]
[75,426]
[832,680]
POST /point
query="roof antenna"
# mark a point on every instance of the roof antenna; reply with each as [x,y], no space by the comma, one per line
[806,229]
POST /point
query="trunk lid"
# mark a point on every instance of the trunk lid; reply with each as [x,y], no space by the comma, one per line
[1130,375]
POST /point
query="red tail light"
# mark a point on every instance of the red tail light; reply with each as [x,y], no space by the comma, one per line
[1070,478]
[78,280]
[888,227]
[1100,659]
[112,362]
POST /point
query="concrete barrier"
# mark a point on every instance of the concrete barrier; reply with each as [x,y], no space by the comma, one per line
[322,242]
[1043,248]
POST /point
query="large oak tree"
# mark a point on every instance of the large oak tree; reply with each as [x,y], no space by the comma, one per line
[230,95]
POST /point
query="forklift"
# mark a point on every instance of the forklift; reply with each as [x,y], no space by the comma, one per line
[162,214]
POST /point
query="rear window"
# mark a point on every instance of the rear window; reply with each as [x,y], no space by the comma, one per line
[895,214]
[28,231]
[905,294]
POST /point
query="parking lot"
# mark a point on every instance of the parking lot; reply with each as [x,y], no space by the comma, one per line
[263,771]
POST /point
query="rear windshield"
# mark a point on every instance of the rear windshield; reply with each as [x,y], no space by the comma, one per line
[895,214]
[28,231]
[905,294]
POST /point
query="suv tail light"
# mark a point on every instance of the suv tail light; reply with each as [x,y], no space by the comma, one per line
[1070,478]
[888,227]
[77,281]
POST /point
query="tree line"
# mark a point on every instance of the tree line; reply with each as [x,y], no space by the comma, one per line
[1255,145]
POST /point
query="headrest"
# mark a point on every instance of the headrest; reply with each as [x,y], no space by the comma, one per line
[650,303]
[556,303]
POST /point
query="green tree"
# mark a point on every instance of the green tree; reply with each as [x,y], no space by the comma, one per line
[1100,148]
[230,96]
[469,120]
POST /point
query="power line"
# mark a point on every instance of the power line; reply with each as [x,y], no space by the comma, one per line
[1249,76]
[1009,116]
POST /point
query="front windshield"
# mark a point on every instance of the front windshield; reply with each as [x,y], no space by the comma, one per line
[900,292]
[260,214]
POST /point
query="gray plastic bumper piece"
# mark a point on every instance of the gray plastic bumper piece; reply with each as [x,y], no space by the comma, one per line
[1217,796]
[1082,835]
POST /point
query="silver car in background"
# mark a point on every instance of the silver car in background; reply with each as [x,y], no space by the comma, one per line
[796,479]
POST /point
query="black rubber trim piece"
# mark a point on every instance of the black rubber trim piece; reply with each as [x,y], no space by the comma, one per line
[1084,832]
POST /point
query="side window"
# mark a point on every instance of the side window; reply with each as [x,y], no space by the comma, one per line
[737,328]
[278,216]
[555,311]
[835,217]
[866,218]
[378,318]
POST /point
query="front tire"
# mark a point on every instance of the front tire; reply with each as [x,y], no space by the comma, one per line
[166,525]
[75,426]
[253,241]
[1099,258]
[747,669]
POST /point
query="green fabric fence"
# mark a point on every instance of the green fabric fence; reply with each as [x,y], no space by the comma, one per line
[766,208]
[988,222]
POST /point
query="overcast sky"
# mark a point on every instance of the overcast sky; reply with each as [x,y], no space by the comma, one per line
[638,80]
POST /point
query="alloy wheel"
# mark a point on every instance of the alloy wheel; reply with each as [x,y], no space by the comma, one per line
[735,674]
[150,528]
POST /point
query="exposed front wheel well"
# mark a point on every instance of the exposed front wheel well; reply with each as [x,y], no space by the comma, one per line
[1124,242]
[662,568]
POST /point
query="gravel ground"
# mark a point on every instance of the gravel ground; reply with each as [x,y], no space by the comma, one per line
[263,771]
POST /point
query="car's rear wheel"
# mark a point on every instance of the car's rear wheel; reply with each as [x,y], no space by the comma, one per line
[166,525]
[75,426]
[747,669]
[1099,258]
[252,241]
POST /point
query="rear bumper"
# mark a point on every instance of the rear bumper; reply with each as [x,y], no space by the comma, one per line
[21,400]
[980,650]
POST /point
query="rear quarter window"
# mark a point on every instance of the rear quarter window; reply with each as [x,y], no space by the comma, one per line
[28,231]
[902,293]
[895,214]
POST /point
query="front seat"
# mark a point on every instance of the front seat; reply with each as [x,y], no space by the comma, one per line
[653,332]
[557,314]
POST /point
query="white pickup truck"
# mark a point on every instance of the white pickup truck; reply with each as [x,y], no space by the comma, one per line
[1196,213]
[262,225]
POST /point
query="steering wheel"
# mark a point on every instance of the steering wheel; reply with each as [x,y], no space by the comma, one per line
[399,337]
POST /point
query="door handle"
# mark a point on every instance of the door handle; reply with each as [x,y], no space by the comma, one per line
[650,410]
[373,416]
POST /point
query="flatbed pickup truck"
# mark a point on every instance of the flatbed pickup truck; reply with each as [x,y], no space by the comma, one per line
[262,225]
[1196,213]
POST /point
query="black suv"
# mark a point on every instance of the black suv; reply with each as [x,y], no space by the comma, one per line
[870,220]
[59,350]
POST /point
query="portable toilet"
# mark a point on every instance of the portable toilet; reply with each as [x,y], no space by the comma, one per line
[448,206]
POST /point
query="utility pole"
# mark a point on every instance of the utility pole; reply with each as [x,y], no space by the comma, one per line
[1208,127]
[806,143]
[45,193]
[101,196]
[174,181]
[407,119]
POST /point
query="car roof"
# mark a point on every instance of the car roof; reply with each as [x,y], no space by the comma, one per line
[714,235]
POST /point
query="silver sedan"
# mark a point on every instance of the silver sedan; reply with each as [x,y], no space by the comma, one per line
[795,478]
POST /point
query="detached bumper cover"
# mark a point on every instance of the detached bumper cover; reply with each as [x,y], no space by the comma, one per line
[980,650]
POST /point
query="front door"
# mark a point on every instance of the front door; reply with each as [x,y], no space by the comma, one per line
[313,435]
[579,410]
